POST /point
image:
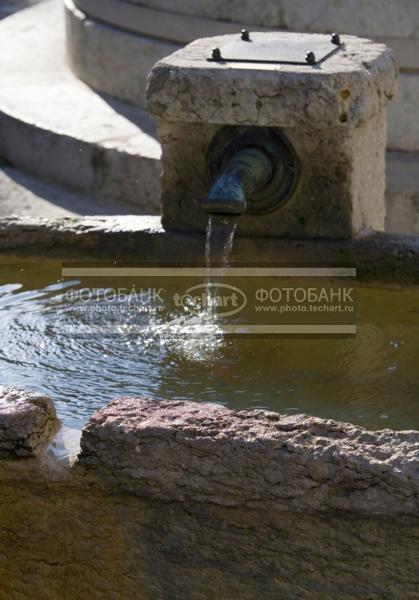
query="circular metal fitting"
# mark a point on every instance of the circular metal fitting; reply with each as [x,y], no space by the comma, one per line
[230,140]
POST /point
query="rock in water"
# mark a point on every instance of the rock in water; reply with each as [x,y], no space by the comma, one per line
[27,422]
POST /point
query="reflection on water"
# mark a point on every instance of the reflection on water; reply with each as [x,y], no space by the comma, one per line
[371,379]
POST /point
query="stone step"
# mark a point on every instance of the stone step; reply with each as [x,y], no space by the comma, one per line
[110,59]
[25,196]
[55,127]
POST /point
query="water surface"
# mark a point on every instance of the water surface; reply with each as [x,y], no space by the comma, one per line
[371,379]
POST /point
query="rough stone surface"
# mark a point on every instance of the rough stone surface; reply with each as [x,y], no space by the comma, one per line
[108,543]
[88,540]
[186,451]
[27,423]
[333,115]
[55,127]
[377,257]
[109,59]
[273,95]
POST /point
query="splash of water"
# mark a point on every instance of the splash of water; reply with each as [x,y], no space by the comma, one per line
[193,335]
[196,333]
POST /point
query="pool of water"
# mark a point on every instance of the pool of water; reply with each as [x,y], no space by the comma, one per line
[371,379]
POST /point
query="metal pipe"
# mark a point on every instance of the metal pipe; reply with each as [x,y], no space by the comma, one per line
[246,172]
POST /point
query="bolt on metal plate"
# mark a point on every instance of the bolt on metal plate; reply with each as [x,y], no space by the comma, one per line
[278,48]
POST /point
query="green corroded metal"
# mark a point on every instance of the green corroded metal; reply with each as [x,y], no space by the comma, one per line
[247,171]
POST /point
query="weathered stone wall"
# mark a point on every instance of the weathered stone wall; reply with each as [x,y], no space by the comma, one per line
[189,451]
[72,538]
[175,500]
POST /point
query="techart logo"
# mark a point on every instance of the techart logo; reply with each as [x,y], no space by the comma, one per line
[225,300]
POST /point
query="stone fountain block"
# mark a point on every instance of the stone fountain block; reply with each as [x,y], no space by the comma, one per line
[333,114]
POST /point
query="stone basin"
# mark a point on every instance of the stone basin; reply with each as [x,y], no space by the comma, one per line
[175,499]
[164,499]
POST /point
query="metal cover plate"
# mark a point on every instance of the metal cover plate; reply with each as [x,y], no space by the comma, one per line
[277,47]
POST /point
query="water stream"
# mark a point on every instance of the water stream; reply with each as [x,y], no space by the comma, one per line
[219,240]
[218,246]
